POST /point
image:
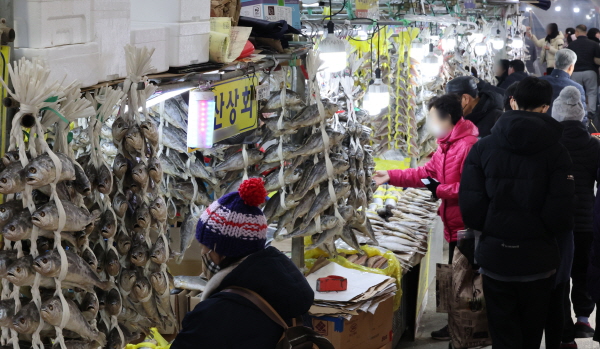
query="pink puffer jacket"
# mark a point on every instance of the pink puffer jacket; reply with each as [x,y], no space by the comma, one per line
[445,166]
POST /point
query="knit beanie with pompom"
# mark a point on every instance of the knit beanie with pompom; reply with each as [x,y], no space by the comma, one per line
[234,226]
[568,105]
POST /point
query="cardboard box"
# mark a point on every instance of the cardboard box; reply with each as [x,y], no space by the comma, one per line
[364,331]
[271,10]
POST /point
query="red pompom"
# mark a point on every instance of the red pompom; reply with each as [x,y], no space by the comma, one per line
[253,192]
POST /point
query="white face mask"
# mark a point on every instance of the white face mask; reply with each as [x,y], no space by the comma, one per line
[436,130]
[573,37]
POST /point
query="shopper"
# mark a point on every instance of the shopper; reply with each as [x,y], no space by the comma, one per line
[517,188]
[508,96]
[455,137]
[501,71]
[570,36]
[516,73]
[481,104]
[594,34]
[561,76]
[549,45]
[586,71]
[584,151]
[232,232]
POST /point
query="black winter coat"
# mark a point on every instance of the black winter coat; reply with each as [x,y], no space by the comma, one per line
[512,78]
[585,153]
[488,110]
[517,188]
[229,321]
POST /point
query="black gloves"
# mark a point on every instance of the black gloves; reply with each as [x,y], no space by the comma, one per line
[432,186]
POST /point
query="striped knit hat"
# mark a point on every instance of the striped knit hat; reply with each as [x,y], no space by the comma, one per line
[234,226]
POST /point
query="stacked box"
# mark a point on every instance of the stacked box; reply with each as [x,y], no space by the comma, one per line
[152,37]
[68,63]
[111,25]
[170,11]
[49,23]
[273,10]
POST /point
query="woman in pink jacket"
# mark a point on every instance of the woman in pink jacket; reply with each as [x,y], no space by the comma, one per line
[455,137]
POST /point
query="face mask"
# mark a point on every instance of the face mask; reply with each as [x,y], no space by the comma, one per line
[210,267]
[436,130]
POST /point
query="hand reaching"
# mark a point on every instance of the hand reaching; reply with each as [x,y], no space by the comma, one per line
[381,177]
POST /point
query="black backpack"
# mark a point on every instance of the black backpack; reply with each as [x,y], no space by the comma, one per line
[297,337]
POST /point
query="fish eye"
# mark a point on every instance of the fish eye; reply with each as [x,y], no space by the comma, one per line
[2,210]
[42,214]
[3,180]
[120,124]
[18,270]
[22,320]
[17,157]
[12,228]
[32,170]
[157,205]
[50,307]
[45,260]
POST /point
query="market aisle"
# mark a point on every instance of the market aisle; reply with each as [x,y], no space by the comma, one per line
[433,321]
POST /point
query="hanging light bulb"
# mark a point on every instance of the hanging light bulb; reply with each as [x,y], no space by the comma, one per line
[448,44]
[431,64]
[332,51]
[517,42]
[480,49]
[378,95]
[497,41]
[418,50]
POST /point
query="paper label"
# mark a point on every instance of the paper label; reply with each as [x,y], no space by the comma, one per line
[239,37]
[263,92]
[271,13]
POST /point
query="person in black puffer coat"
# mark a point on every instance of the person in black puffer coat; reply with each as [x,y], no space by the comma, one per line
[585,153]
[232,232]
[481,102]
[517,188]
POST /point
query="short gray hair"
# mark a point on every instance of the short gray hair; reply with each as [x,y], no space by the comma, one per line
[564,58]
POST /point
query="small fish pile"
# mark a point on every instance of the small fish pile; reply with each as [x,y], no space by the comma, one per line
[377,262]
[404,228]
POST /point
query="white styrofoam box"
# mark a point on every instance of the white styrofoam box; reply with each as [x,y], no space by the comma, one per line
[187,43]
[111,22]
[49,23]
[68,62]
[155,37]
[170,11]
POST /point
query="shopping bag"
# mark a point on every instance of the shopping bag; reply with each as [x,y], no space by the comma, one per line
[467,314]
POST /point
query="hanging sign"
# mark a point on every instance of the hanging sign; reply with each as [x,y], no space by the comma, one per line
[236,108]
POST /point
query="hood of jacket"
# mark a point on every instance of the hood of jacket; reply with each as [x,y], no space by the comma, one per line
[463,128]
[524,132]
[274,277]
[575,135]
[489,100]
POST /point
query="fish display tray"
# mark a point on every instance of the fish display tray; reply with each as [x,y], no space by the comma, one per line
[41,24]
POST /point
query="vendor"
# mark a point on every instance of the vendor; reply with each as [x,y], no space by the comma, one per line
[232,232]
[455,137]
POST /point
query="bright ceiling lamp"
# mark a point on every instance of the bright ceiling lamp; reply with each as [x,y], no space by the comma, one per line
[332,52]
[557,8]
[166,95]
[431,64]
[497,41]
[378,95]
[480,49]
[201,119]
[517,42]
[448,44]
[418,50]
[576,9]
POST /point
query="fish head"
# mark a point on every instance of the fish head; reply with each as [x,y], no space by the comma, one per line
[141,288]
[51,310]
[112,263]
[113,301]
[123,243]
[149,130]
[127,279]
[109,224]
[120,165]
[10,157]
[134,137]
[155,167]
[159,282]
[18,228]
[158,208]
[139,172]
[90,258]
[139,255]
[90,302]
[7,311]
[158,251]
[47,264]
[104,179]
[330,107]
[298,171]
[38,171]
[11,179]
[114,340]
[26,321]
[142,215]
[44,216]
[328,222]
[119,129]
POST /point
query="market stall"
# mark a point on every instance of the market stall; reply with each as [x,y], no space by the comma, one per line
[104,176]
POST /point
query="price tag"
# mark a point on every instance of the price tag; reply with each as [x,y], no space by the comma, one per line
[263,92]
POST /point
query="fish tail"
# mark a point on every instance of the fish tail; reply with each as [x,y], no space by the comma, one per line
[179,257]
[101,339]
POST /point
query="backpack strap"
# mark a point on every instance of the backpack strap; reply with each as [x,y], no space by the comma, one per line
[260,302]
